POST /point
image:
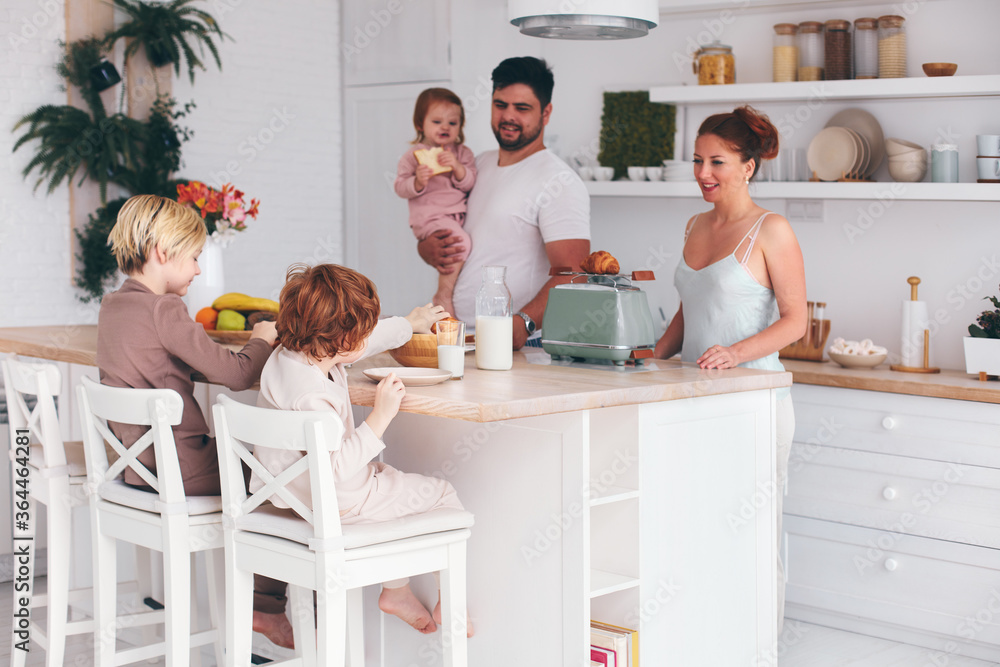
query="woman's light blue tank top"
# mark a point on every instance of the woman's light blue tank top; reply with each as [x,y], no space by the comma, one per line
[723,304]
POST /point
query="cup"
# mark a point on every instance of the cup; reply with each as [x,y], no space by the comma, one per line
[798,167]
[451,347]
[944,163]
[604,173]
[778,167]
[654,173]
[636,173]
[988,168]
[586,173]
[988,145]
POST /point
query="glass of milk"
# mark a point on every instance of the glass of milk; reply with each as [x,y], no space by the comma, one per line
[451,347]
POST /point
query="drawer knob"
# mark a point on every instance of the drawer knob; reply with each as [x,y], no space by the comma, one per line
[889,423]
[891,564]
[888,493]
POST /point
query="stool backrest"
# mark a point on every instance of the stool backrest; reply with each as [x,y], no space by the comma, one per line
[160,409]
[43,381]
[315,433]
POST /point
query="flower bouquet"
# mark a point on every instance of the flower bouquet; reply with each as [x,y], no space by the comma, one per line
[224,211]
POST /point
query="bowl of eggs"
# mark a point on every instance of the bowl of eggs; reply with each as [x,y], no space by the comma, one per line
[857,354]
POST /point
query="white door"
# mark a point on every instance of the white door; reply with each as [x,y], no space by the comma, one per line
[378,128]
[395,41]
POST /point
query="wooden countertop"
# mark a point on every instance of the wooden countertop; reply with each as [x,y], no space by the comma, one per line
[946,384]
[525,391]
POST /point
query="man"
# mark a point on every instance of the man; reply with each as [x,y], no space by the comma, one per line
[528,211]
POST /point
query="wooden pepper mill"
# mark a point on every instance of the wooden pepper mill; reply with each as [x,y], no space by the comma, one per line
[914,327]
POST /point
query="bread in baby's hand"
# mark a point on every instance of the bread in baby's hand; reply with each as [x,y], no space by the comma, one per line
[600,262]
[429,157]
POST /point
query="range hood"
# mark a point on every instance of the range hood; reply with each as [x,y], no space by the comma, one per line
[584,19]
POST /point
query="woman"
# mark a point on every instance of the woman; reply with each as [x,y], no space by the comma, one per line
[741,278]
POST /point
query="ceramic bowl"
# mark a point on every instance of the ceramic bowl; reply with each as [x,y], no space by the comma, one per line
[939,69]
[419,351]
[636,173]
[896,147]
[604,173]
[908,171]
[857,360]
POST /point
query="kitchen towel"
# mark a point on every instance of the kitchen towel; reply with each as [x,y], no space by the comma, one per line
[914,321]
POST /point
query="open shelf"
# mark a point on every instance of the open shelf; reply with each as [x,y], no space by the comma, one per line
[809,190]
[979,85]
[612,494]
[603,583]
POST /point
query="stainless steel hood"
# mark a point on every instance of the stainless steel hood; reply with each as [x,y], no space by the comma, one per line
[584,19]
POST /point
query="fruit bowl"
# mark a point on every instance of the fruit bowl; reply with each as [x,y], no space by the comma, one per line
[858,360]
[419,351]
[228,336]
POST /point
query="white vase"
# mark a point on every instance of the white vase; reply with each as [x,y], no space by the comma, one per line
[209,284]
[982,355]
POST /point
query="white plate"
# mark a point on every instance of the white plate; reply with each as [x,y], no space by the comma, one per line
[832,153]
[867,126]
[411,377]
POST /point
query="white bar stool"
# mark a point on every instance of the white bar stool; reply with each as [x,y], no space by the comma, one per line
[310,549]
[164,520]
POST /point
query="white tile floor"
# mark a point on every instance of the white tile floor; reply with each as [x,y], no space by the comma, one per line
[801,645]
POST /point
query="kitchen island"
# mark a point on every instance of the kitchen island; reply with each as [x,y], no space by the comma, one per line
[638,498]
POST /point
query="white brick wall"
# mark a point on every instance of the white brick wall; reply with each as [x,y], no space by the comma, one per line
[280,84]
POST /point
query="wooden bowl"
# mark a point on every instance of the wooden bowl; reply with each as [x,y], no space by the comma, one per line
[229,337]
[419,351]
[940,69]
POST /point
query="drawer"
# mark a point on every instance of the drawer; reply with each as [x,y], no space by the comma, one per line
[927,585]
[947,501]
[937,429]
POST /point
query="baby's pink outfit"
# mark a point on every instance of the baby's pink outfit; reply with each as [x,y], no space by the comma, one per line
[442,202]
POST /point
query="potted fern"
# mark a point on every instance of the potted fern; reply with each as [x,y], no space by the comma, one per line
[982,345]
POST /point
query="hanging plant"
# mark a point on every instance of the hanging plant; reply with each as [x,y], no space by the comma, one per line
[167,32]
[97,265]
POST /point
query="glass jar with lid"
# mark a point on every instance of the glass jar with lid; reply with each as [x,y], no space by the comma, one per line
[714,64]
[891,47]
[810,51]
[785,53]
[866,48]
[838,57]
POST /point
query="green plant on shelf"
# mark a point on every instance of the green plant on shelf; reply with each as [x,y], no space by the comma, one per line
[988,321]
[136,157]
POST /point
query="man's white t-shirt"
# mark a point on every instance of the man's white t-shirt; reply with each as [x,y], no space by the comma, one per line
[513,212]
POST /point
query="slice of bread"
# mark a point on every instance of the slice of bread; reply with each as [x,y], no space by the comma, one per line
[428,156]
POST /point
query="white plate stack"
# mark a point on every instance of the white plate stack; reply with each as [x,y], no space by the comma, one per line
[678,170]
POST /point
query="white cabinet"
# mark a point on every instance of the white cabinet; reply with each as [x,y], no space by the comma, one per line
[892,521]
[395,41]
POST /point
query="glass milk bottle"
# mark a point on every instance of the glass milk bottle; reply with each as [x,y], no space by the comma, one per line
[494,323]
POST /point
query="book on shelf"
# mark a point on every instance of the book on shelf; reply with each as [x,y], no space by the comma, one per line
[623,641]
[603,657]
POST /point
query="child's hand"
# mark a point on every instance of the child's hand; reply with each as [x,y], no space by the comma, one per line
[422,317]
[424,174]
[388,395]
[449,159]
[266,330]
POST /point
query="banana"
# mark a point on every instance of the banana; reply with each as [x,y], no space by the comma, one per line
[242,302]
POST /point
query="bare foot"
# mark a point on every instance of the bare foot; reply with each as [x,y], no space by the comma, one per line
[469,630]
[403,603]
[275,627]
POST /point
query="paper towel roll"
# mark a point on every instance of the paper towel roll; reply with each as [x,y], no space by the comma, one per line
[914,320]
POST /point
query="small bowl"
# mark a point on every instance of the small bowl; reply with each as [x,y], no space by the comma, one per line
[604,173]
[939,69]
[420,351]
[858,360]
[895,147]
[907,171]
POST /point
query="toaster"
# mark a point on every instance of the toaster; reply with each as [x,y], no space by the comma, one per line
[599,317]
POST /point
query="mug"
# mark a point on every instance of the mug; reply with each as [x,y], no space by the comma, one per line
[988,168]
[988,145]
[636,173]
[604,173]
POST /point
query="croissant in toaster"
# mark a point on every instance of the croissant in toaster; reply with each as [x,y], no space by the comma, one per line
[600,262]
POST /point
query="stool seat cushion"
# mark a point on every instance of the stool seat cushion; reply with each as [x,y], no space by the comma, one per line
[286,524]
[120,493]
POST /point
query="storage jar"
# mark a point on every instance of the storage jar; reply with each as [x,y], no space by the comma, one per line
[785,53]
[810,40]
[866,48]
[891,47]
[714,64]
[838,56]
